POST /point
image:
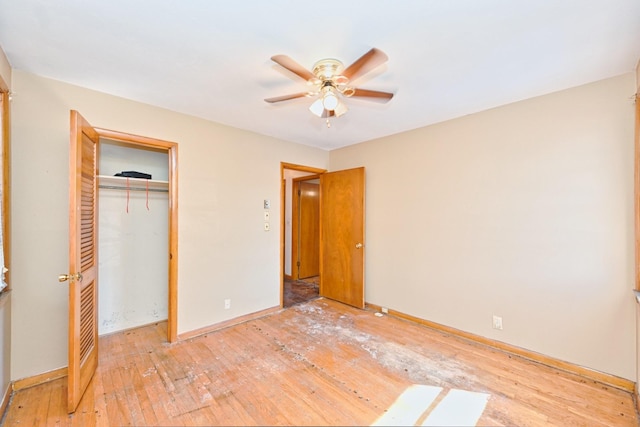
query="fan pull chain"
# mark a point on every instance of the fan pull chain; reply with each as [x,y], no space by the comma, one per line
[147,181]
[328,123]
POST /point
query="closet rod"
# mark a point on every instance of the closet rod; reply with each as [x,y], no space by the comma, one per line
[114,187]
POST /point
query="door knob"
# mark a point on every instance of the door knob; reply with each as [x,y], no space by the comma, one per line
[71,277]
[358,245]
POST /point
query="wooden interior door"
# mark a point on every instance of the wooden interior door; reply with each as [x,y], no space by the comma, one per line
[83,265]
[342,236]
[309,229]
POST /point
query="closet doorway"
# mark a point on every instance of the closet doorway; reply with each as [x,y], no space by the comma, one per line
[163,193]
[133,218]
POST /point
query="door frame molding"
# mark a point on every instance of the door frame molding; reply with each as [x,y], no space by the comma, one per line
[283,198]
[171,148]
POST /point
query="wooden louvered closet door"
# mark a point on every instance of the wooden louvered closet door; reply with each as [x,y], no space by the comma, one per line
[83,264]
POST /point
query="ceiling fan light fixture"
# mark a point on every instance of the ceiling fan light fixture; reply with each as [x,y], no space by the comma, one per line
[327,68]
[317,108]
[330,83]
[340,109]
[330,100]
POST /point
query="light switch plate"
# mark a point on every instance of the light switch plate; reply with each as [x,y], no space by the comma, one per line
[267,204]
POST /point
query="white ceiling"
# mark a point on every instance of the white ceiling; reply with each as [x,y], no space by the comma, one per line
[211,59]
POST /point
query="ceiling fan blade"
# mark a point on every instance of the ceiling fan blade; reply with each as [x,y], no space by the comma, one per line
[293,66]
[365,63]
[287,97]
[377,95]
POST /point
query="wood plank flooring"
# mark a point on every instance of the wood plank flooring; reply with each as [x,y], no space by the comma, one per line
[320,363]
[297,291]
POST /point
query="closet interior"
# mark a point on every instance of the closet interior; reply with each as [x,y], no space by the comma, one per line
[133,237]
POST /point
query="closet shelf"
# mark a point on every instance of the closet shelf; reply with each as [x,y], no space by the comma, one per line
[135,184]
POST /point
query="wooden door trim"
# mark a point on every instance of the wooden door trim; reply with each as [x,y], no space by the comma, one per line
[171,148]
[295,206]
[288,166]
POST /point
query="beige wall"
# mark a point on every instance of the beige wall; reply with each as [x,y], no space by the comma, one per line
[523,211]
[5,68]
[224,176]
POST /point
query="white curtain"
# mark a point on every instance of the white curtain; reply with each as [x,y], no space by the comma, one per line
[3,269]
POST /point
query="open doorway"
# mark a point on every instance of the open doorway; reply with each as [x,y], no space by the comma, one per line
[305,228]
[300,237]
[169,152]
[342,226]
[133,218]
[303,284]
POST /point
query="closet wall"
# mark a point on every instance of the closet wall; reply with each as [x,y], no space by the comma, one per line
[132,240]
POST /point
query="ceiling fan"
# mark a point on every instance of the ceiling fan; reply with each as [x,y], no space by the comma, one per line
[330,81]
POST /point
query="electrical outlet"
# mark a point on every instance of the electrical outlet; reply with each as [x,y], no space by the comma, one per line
[266,226]
[227,304]
[266,216]
[497,322]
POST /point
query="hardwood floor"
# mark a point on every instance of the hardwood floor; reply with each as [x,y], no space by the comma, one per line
[297,291]
[320,363]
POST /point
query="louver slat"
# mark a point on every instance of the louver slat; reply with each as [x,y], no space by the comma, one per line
[87,309]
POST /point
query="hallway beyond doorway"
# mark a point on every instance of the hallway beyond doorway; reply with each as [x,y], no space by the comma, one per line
[297,291]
